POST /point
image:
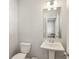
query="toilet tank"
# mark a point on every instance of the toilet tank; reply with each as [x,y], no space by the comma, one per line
[25,47]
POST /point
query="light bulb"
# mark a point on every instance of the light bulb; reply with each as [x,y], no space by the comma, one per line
[55,4]
[49,9]
[48,4]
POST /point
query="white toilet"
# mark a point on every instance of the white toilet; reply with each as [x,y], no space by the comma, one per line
[25,49]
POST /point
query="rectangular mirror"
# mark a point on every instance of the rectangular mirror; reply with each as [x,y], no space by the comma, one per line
[51,23]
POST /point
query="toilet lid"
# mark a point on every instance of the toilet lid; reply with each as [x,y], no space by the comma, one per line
[19,56]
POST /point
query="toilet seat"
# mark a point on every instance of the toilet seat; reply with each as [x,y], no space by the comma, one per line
[19,56]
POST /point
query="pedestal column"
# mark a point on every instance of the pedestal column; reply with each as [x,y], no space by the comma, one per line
[51,54]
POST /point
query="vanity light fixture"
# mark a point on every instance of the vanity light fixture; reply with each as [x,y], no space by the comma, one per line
[54,5]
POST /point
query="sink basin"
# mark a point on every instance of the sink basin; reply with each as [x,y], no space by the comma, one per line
[56,46]
[52,47]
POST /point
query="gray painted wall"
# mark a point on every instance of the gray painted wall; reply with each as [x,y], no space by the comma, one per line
[13,27]
[31,26]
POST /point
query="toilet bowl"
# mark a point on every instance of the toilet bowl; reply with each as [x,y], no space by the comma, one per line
[19,56]
[25,49]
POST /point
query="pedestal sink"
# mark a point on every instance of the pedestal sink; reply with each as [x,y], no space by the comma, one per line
[52,47]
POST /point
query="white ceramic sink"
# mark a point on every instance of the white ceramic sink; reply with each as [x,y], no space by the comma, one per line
[52,47]
[56,46]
